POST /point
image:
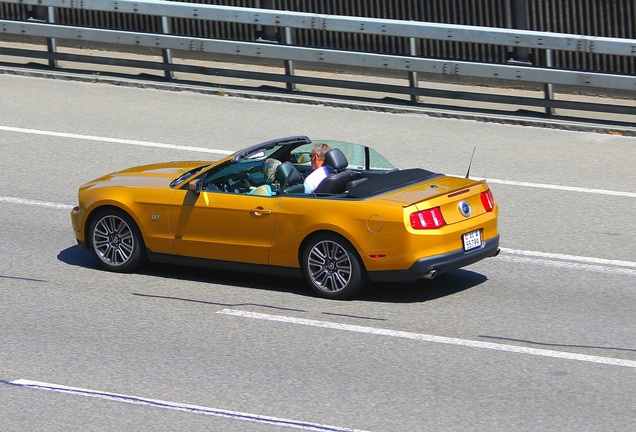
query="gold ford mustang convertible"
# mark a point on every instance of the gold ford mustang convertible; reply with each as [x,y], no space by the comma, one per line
[365,220]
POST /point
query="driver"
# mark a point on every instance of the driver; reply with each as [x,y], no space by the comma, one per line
[269,169]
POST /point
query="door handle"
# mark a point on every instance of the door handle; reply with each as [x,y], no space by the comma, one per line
[260,211]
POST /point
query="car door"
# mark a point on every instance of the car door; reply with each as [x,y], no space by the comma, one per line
[222,225]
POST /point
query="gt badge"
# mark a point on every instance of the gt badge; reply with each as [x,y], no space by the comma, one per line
[465,208]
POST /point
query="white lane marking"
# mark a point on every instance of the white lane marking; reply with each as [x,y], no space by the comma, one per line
[35,203]
[225,152]
[235,415]
[115,140]
[554,259]
[432,338]
[570,265]
[556,187]
[590,260]
[570,261]
[564,188]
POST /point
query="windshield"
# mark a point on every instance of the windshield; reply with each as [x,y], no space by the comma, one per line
[185,176]
[359,157]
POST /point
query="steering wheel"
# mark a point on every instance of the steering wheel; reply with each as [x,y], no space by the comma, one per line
[236,183]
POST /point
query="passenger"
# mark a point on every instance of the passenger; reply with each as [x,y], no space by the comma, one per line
[320,171]
[269,169]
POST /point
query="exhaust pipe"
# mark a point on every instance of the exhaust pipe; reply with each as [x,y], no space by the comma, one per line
[431,274]
[496,252]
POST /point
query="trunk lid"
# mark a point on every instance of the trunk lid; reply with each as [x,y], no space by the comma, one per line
[458,198]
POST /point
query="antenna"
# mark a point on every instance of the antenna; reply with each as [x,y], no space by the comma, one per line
[471,161]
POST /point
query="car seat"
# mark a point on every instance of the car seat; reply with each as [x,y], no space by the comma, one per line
[336,181]
[289,178]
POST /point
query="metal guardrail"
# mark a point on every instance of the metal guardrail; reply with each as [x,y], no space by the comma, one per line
[267,17]
[290,53]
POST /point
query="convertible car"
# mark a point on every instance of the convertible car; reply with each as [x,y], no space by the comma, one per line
[367,220]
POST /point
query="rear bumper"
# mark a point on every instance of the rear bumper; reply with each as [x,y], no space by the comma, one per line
[441,263]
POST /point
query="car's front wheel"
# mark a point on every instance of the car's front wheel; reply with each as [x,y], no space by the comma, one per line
[115,240]
[332,267]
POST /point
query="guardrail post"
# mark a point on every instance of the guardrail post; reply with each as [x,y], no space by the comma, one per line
[268,32]
[166,53]
[289,64]
[51,43]
[413,81]
[548,88]
[520,22]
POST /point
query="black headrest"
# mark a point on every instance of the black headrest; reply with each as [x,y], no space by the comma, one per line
[282,172]
[287,172]
[335,159]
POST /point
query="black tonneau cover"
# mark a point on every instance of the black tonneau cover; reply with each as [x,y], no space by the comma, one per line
[390,181]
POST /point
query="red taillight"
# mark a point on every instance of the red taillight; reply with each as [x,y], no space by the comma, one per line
[488,200]
[427,219]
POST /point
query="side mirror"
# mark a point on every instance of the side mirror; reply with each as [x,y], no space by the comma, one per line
[300,158]
[196,185]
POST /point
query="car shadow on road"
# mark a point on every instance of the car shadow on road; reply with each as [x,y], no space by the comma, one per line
[423,290]
[379,292]
[76,256]
[227,277]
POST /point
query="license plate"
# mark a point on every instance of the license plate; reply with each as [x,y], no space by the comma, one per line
[472,240]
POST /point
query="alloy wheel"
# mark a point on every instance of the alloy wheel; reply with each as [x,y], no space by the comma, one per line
[113,240]
[329,266]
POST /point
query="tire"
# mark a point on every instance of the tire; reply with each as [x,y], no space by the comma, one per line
[332,267]
[115,241]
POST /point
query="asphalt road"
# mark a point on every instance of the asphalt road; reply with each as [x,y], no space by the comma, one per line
[542,337]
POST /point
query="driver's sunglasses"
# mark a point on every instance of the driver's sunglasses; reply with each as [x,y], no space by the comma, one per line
[313,156]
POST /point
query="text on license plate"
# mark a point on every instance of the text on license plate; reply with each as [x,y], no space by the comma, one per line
[472,240]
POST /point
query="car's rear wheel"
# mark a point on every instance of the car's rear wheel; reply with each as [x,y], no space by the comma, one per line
[332,267]
[115,240]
